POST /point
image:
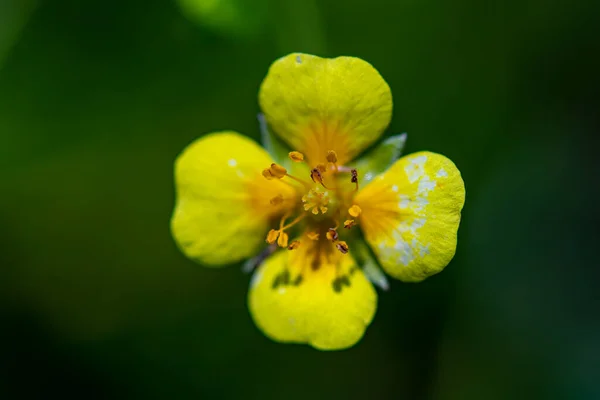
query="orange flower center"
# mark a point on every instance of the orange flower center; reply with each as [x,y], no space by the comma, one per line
[324,203]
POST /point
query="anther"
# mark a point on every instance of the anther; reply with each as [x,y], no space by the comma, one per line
[282,241]
[354,178]
[342,247]
[313,235]
[321,167]
[276,200]
[354,211]
[349,223]
[272,236]
[332,156]
[315,175]
[267,174]
[294,245]
[296,156]
[277,171]
[332,235]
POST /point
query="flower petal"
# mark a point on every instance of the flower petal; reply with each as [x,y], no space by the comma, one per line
[318,104]
[328,308]
[223,202]
[410,215]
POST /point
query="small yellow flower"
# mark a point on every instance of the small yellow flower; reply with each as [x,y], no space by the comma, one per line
[310,285]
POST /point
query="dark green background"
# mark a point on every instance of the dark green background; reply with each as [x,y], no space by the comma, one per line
[97,98]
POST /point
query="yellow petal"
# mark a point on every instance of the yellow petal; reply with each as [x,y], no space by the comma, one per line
[328,308]
[318,104]
[410,215]
[223,202]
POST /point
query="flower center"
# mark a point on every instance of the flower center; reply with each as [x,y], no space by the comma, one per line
[323,205]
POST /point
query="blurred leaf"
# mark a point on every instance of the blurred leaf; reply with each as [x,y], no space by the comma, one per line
[232,17]
[13,17]
[275,146]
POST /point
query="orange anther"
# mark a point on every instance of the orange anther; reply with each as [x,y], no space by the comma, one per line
[276,200]
[354,211]
[277,171]
[267,174]
[272,236]
[332,156]
[296,156]
[349,223]
[342,247]
[282,241]
[332,235]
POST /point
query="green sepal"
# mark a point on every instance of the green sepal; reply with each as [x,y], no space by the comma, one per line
[369,266]
[379,158]
[279,150]
[276,147]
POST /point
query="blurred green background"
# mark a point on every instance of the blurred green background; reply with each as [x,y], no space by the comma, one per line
[97,98]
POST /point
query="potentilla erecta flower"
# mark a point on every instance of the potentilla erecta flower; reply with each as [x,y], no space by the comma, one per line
[295,211]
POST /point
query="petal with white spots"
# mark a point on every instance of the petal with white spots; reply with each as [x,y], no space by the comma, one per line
[411,213]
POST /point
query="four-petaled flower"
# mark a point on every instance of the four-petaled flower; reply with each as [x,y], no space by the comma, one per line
[232,196]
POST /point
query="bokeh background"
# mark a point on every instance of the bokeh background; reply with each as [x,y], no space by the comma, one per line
[97,98]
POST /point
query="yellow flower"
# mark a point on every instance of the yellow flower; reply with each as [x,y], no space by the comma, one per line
[304,203]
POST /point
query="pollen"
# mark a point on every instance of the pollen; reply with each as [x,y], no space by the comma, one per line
[277,171]
[282,241]
[275,201]
[272,236]
[294,245]
[354,211]
[296,156]
[342,247]
[349,223]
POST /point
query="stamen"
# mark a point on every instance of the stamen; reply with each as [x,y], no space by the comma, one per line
[332,235]
[294,222]
[313,235]
[332,160]
[296,156]
[267,174]
[282,241]
[342,247]
[354,178]
[272,236]
[278,171]
[332,156]
[349,223]
[276,200]
[315,175]
[306,184]
[294,245]
[354,211]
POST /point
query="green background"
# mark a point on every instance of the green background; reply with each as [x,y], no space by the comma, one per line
[97,98]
